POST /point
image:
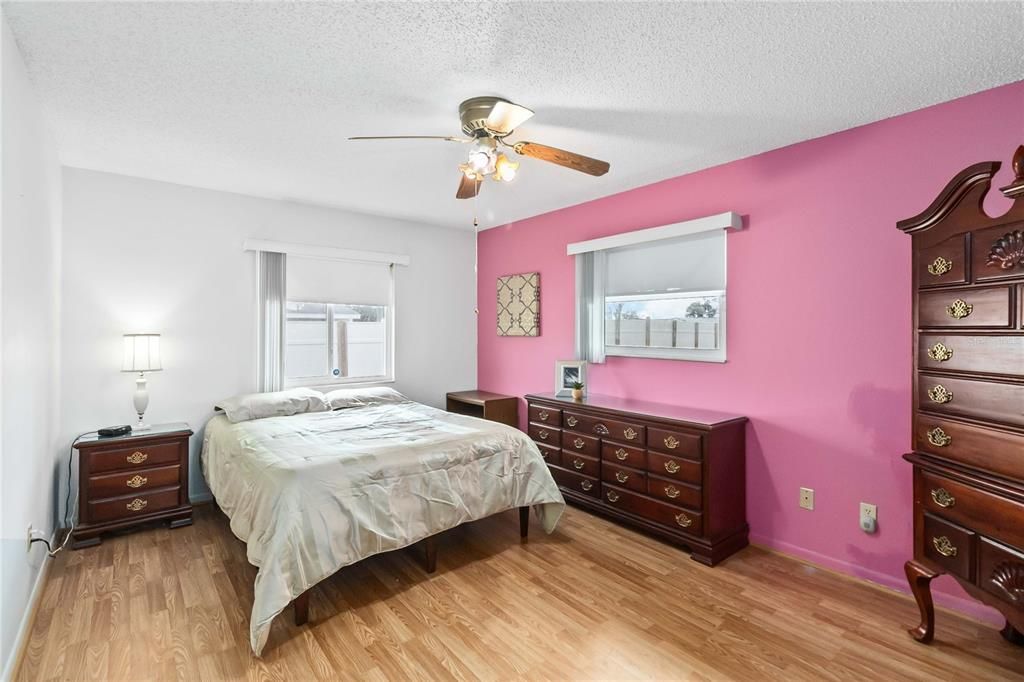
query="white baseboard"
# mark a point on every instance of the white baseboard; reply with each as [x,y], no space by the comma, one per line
[27,619]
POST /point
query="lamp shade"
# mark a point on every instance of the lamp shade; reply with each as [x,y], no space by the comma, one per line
[141,353]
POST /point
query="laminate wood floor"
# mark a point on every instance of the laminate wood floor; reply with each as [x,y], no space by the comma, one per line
[591,601]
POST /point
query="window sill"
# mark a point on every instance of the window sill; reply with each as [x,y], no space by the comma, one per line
[668,354]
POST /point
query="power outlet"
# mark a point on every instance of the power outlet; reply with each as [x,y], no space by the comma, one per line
[807,498]
[869,511]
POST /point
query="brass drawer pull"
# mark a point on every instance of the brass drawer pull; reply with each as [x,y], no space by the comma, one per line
[943,546]
[621,477]
[137,457]
[630,434]
[671,467]
[940,353]
[578,464]
[943,498]
[939,438]
[672,491]
[940,266]
[613,496]
[586,485]
[544,415]
[542,434]
[543,454]
[959,309]
[684,520]
[579,443]
[571,420]
[138,504]
[939,394]
[621,454]
[136,481]
[671,443]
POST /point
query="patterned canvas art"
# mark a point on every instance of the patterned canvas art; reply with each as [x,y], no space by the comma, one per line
[519,305]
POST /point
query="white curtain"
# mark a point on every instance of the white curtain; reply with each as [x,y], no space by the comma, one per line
[272,298]
[591,271]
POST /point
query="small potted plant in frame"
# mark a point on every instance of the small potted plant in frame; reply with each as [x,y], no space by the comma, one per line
[577,390]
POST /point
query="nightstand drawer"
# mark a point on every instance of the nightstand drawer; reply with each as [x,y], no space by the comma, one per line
[133,505]
[135,457]
[142,480]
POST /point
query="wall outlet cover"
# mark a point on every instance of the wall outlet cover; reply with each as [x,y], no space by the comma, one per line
[869,510]
[807,498]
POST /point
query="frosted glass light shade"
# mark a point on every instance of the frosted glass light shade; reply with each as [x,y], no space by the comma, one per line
[141,353]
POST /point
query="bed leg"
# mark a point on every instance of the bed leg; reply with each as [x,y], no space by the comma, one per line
[524,522]
[430,554]
[302,608]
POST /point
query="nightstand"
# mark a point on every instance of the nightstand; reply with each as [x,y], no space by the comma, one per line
[128,480]
[485,405]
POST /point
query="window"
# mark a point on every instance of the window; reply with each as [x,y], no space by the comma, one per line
[338,322]
[655,298]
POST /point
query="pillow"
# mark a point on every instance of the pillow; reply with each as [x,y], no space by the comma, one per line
[361,397]
[242,408]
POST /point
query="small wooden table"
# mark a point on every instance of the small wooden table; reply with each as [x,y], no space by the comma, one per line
[485,405]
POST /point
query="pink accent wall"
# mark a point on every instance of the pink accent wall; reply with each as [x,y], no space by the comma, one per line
[819,321]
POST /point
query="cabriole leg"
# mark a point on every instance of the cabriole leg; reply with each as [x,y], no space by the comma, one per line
[920,579]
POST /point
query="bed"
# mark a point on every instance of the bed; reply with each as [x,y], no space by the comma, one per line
[312,492]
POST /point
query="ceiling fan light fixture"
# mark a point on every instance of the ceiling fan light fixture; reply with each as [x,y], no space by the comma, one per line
[505,168]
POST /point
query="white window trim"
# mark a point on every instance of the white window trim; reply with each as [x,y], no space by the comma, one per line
[697,355]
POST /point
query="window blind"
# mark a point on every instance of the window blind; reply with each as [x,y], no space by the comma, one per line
[692,263]
[319,280]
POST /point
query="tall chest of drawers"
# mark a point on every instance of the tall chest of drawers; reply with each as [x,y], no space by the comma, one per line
[673,472]
[129,480]
[968,397]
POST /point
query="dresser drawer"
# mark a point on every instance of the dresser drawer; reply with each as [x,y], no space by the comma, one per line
[1001,571]
[678,443]
[591,466]
[979,354]
[995,253]
[625,477]
[577,483]
[624,432]
[551,455]
[675,468]
[986,400]
[141,480]
[577,442]
[978,446]
[659,512]
[133,505]
[949,545]
[674,492]
[142,456]
[549,416]
[944,263]
[986,513]
[623,454]
[546,435]
[988,307]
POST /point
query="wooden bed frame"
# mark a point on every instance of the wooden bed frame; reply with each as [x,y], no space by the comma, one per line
[301,603]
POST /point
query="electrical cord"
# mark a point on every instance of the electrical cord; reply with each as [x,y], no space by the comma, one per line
[50,551]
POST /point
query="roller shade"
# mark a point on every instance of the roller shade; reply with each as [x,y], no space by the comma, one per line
[319,280]
[692,263]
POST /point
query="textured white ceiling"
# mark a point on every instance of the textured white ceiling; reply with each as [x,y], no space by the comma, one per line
[259,98]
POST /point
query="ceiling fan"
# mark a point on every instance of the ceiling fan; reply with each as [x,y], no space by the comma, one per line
[487,122]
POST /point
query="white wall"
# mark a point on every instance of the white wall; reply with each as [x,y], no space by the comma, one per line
[29,357]
[141,255]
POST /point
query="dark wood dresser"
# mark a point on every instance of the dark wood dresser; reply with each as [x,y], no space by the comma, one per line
[968,397]
[674,472]
[129,480]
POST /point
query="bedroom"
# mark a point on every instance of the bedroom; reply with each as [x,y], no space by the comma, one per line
[399,482]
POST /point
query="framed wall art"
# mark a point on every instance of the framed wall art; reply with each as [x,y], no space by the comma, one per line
[519,305]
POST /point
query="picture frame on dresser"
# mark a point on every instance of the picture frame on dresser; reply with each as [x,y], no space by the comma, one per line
[567,374]
[967,392]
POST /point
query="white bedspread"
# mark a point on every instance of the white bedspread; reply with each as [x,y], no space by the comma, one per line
[311,493]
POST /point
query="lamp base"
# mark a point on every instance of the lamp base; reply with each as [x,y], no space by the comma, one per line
[141,426]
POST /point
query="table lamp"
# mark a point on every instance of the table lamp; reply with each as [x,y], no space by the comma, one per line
[141,354]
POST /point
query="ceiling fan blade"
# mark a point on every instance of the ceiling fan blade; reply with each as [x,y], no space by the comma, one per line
[468,188]
[583,164]
[506,117]
[413,137]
